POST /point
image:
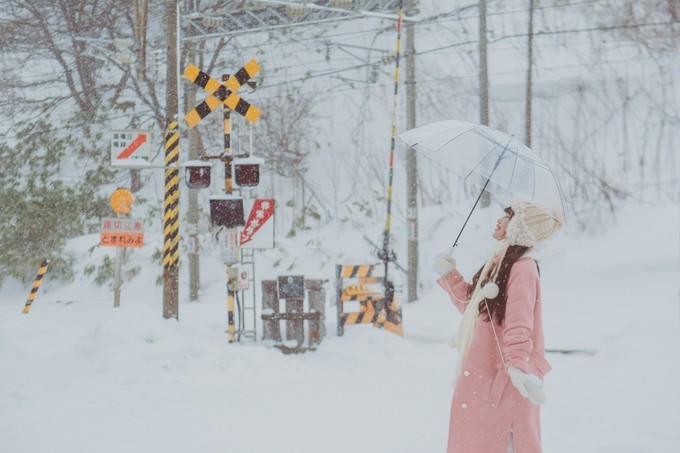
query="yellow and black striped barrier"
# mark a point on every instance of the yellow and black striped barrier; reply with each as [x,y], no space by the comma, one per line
[36,286]
[366,284]
[366,315]
[171,222]
[361,271]
[393,321]
[360,293]
[222,93]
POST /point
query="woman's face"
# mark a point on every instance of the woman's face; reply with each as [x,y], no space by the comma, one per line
[502,225]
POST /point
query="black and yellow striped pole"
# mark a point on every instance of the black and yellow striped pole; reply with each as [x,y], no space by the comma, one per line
[171,223]
[385,255]
[36,286]
[226,156]
[228,188]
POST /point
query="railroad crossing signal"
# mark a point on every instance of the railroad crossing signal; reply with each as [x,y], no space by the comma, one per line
[222,93]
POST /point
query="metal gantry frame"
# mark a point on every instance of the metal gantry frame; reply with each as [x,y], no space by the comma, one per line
[251,16]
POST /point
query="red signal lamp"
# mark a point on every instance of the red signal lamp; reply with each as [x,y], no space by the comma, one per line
[197,174]
[247,171]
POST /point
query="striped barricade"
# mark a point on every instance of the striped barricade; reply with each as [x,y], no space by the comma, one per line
[364,285]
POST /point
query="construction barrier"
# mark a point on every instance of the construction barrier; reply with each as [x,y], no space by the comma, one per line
[36,286]
[373,298]
[291,289]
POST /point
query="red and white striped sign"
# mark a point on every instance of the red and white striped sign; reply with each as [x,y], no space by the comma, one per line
[132,147]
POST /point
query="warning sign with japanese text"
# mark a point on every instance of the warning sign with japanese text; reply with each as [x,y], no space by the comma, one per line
[258,233]
[122,232]
[130,148]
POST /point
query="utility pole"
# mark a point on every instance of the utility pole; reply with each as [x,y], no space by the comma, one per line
[530,57]
[411,166]
[483,67]
[170,220]
[141,10]
[192,209]
[485,200]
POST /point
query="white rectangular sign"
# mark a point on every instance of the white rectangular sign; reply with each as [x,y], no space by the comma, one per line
[122,225]
[130,148]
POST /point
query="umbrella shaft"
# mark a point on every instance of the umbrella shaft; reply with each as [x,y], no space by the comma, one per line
[470,214]
[493,170]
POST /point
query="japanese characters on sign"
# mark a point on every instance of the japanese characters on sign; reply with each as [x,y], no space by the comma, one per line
[258,232]
[122,232]
[130,148]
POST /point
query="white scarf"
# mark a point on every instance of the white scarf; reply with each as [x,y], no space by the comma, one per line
[466,330]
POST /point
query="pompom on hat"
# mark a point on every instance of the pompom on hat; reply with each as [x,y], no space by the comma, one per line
[532,224]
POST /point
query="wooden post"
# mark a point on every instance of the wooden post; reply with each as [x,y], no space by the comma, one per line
[316,295]
[295,329]
[270,302]
[338,298]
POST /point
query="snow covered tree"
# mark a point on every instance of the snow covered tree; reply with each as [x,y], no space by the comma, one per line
[39,204]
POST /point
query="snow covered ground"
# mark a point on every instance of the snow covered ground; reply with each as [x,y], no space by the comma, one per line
[77,375]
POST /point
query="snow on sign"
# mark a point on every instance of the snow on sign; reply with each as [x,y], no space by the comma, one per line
[122,232]
[258,233]
[130,148]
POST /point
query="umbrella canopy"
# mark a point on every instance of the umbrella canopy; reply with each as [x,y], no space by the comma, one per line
[489,158]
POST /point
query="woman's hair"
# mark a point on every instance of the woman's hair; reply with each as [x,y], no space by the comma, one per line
[497,305]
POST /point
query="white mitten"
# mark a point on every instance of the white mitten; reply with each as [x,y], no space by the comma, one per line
[529,385]
[444,264]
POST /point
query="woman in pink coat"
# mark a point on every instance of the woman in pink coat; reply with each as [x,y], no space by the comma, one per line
[495,407]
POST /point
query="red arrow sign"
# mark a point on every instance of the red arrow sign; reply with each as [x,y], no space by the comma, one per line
[262,211]
[132,147]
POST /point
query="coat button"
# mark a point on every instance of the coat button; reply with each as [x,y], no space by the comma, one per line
[466,373]
[464,405]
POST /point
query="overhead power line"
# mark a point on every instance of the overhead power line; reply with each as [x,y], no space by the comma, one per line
[468,42]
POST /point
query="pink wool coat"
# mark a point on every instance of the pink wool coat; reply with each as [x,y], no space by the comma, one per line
[487,409]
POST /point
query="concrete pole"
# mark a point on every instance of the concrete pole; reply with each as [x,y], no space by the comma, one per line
[411,167]
[192,208]
[485,200]
[530,57]
[171,270]
[483,67]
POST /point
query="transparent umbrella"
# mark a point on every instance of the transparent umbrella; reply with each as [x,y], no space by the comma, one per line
[491,159]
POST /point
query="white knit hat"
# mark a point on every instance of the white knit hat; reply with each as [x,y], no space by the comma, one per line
[532,224]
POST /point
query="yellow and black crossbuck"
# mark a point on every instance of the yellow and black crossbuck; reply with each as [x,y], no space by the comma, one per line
[222,93]
[365,284]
